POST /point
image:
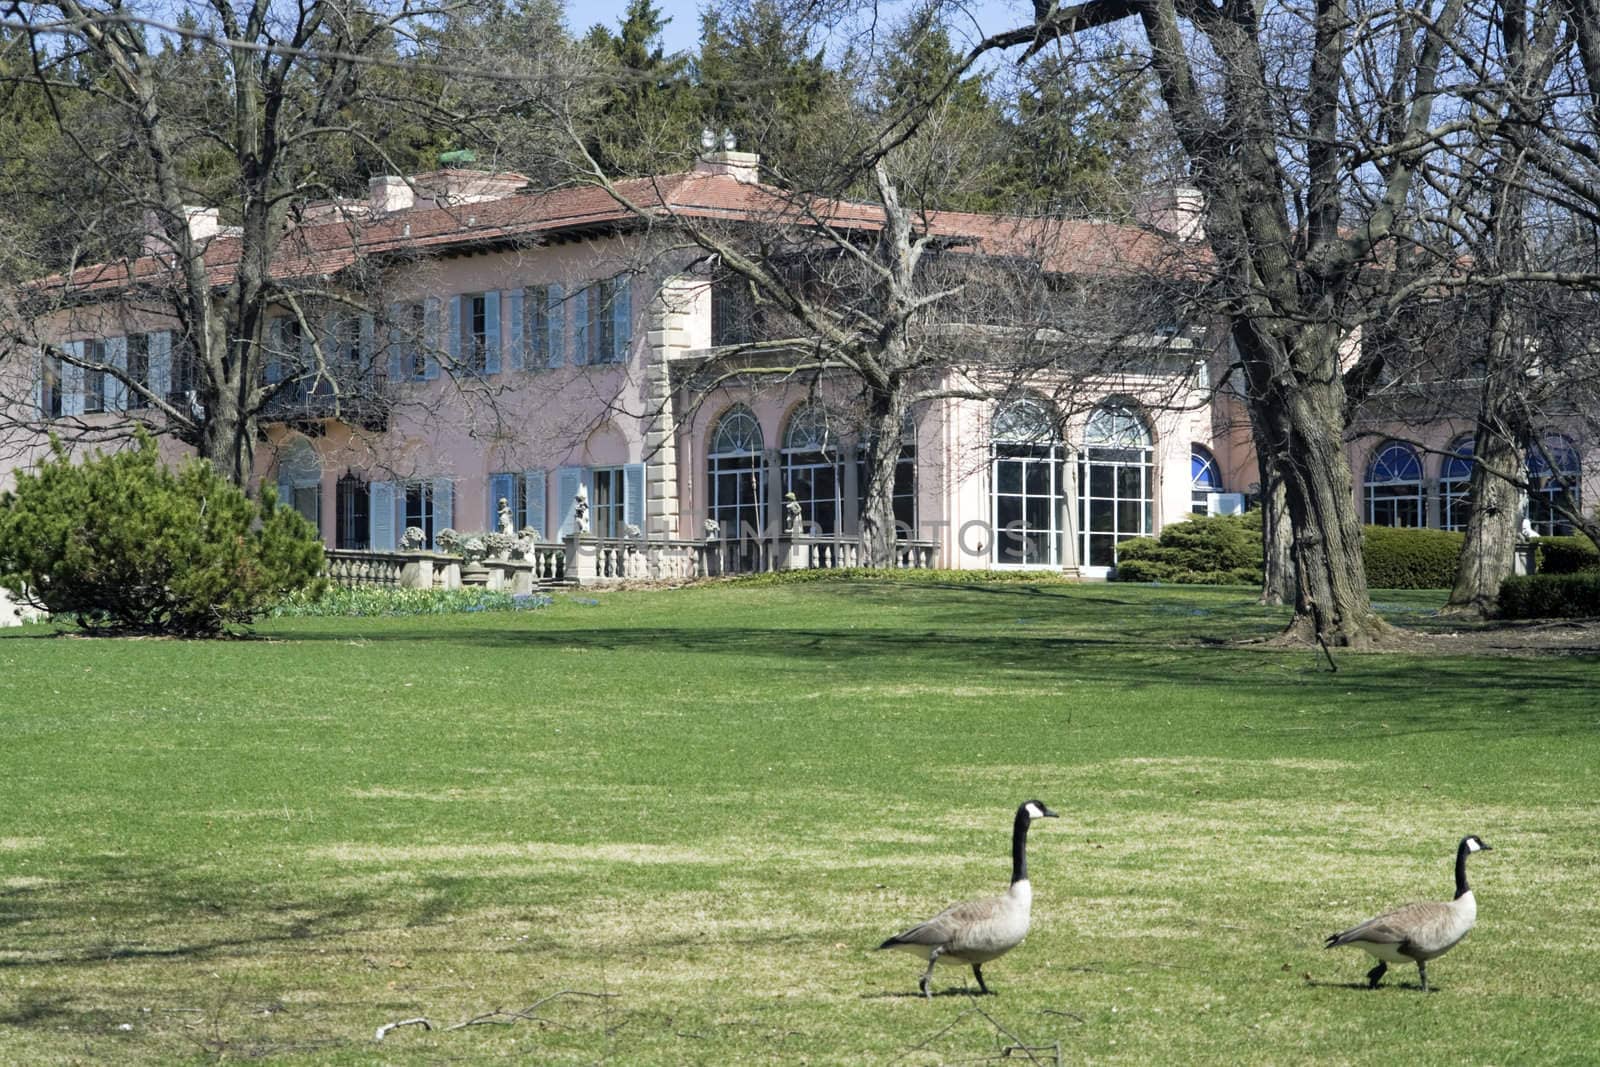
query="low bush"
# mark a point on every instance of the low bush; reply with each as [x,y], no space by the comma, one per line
[858,574]
[1200,550]
[123,543]
[1551,596]
[339,602]
[1566,555]
[1410,558]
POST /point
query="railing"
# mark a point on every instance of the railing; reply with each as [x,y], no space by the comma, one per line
[593,560]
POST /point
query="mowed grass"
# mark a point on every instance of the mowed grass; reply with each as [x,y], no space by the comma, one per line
[711,804]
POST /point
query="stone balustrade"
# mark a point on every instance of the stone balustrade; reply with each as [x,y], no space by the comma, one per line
[600,561]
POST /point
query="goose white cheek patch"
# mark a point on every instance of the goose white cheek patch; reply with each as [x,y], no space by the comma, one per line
[1034,812]
[1472,844]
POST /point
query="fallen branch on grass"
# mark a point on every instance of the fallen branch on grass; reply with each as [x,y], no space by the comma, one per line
[498,1016]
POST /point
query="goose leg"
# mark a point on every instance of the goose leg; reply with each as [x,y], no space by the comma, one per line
[1374,975]
[933,957]
[1422,972]
[977,970]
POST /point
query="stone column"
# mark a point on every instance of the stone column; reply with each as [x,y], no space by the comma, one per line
[668,337]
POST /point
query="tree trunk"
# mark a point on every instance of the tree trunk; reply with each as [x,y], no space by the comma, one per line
[1487,554]
[1277,575]
[885,419]
[1297,399]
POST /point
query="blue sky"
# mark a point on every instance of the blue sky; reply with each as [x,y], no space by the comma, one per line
[683,31]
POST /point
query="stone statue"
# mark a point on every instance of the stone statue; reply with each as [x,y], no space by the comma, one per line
[1527,533]
[713,529]
[630,531]
[792,519]
[503,519]
[580,510]
[413,540]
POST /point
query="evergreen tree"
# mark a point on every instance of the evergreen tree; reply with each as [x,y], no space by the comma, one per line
[648,120]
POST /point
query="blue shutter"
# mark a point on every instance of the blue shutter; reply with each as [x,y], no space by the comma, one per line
[567,481]
[633,494]
[444,510]
[161,363]
[516,326]
[72,380]
[38,382]
[491,331]
[381,516]
[364,343]
[329,342]
[621,318]
[285,489]
[500,485]
[430,337]
[116,388]
[452,337]
[533,501]
[580,327]
[555,325]
[398,343]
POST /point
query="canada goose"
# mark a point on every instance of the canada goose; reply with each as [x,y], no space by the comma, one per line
[980,930]
[1418,932]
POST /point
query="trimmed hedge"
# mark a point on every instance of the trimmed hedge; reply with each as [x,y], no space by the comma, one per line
[1566,555]
[341,603]
[1551,596]
[1410,558]
[1199,550]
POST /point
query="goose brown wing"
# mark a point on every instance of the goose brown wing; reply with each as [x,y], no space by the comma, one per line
[943,927]
[1391,928]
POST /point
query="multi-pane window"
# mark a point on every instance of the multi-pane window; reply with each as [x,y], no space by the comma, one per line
[138,370]
[738,475]
[1027,491]
[475,332]
[408,333]
[1204,479]
[1455,481]
[605,322]
[1553,472]
[607,502]
[352,512]
[94,381]
[420,509]
[539,304]
[812,470]
[1393,487]
[1116,491]
[185,370]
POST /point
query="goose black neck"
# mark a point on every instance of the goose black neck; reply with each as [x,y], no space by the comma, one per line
[1461,870]
[1019,847]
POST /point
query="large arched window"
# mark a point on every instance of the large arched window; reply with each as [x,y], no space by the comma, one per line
[300,480]
[812,469]
[1455,480]
[738,475]
[1204,479]
[1027,490]
[1551,481]
[1116,494]
[1393,487]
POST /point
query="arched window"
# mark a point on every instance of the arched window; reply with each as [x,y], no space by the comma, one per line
[1393,487]
[738,475]
[1550,484]
[1027,490]
[1204,479]
[1455,479]
[300,480]
[812,469]
[1116,492]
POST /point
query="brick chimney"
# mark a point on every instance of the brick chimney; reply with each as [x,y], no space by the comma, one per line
[742,167]
[204,223]
[389,192]
[1179,210]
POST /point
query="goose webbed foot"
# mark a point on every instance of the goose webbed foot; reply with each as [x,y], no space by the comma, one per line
[1376,974]
[977,971]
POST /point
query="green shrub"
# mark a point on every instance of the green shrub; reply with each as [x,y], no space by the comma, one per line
[1200,550]
[338,602]
[122,543]
[1566,555]
[1410,558]
[1551,596]
[908,575]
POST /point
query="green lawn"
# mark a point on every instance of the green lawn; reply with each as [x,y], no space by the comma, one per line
[712,803]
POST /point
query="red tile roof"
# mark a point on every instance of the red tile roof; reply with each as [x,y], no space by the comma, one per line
[326,247]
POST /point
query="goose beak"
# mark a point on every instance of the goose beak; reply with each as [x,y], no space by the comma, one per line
[1056,815]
